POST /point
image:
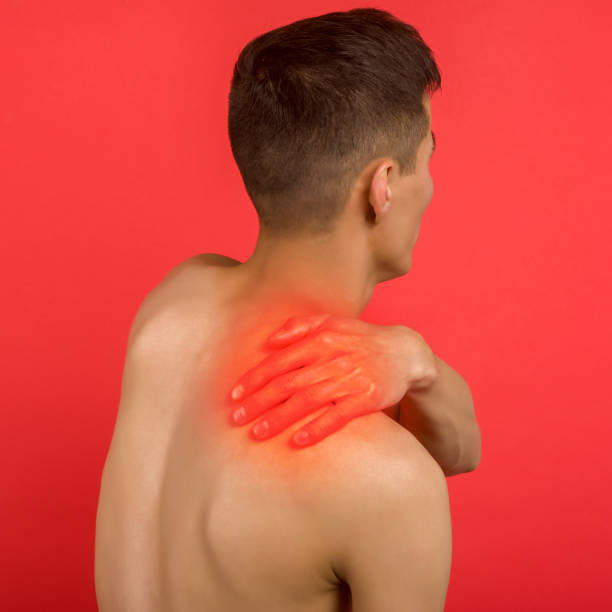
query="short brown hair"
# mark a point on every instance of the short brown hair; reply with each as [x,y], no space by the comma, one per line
[313,102]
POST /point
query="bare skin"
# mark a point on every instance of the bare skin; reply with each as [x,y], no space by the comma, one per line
[193,515]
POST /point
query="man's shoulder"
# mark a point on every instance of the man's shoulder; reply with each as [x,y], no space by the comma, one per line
[379,453]
[371,463]
[191,277]
[179,303]
[382,476]
[172,328]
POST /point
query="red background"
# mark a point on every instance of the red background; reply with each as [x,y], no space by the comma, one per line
[115,166]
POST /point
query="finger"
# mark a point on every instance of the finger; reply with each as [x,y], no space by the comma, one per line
[302,353]
[278,419]
[304,402]
[279,389]
[332,420]
[296,328]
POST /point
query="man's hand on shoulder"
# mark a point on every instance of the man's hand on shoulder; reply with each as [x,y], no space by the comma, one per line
[346,365]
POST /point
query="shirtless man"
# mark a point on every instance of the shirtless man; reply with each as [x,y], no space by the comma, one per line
[193,513]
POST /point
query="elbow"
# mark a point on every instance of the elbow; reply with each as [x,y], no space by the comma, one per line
[461,468]
[475,449]
[470,467]
[469,458]
[477,445]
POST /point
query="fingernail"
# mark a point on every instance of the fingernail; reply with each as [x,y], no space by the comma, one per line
[237,391]
[301,437]
[239,415]
[261,428]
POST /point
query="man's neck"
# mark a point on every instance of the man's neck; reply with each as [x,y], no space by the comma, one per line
[320,274]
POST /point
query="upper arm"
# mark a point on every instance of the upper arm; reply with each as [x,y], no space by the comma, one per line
[399,560]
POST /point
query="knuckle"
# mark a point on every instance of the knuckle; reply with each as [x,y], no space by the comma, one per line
[372,391]
[344,362]
[358,380]
[327,336]
[290,322]
[309,395]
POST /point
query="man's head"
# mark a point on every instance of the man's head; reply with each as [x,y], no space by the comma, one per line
[330,123]
[393,204]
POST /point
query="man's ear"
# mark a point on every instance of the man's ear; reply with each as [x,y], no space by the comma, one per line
[380,192]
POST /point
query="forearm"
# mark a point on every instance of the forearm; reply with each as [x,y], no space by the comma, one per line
[442,418]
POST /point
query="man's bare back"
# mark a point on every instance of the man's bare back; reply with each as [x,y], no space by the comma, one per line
[194,515]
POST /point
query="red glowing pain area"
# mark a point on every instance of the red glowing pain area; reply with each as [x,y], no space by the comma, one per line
[340,365]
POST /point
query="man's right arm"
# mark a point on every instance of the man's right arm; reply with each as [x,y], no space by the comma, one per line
[399,559]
